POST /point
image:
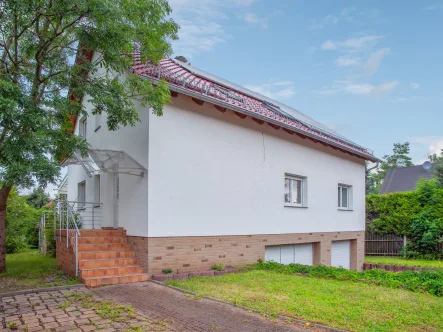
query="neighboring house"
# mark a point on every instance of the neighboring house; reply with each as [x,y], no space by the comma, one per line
[225,176]
[406,178]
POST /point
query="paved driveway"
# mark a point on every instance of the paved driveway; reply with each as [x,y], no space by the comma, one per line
[184,313]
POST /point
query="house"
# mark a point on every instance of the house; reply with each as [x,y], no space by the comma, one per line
[225,176]
[406,178]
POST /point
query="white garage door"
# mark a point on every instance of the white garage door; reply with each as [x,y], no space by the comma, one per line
[291,253]
[341,254]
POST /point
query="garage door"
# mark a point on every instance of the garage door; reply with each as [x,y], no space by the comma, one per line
[291,253]
[341,254]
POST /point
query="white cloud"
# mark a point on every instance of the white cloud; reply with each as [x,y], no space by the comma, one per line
[252,18]
[362,89]
[374,61]
[202,23]
[359,44]
[435,6]
[328,20]
[431,144]
[274,90]
[346,60]
[414,85]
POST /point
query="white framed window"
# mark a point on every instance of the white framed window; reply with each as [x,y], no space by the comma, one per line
[98,121]
[295,190]
[344,196]
[97,190]
[83,127]
[81,200]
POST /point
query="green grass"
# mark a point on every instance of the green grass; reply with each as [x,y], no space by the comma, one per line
[337,303]
[438,264]
[32,270]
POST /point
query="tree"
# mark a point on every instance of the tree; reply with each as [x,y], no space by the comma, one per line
[434,158]
[370,182]
[38,198]
[39,40]
[399,158]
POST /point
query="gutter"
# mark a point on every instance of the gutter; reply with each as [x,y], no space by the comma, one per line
[258,116]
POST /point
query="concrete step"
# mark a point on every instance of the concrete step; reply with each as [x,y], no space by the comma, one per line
[104,247]
[94,255]
[107,263]
[111,271]
[114,280]
[102,239]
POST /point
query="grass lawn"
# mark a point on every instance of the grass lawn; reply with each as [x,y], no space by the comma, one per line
[342,304]
[404,261]
[32,270]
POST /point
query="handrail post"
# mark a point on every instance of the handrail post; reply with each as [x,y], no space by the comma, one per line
[55,223]
[67,227]
[76,254]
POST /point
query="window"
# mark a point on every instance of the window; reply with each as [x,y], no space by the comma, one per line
[295,191]
[81,195]
[83,127]
[344,197]
[96,190]
[98,121]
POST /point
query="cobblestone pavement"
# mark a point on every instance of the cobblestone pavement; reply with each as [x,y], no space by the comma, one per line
[56,311]
[158,302]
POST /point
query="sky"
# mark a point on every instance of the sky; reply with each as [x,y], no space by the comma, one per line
[371,71]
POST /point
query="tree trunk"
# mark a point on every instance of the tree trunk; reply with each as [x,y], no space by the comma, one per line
[4,193]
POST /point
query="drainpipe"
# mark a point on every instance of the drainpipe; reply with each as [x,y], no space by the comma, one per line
[376,166]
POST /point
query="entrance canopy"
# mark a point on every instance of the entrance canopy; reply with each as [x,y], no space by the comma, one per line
[106,161]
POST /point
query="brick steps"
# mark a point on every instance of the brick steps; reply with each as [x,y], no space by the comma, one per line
[104,247]
[115,280]
[102,239]
[111,271]
[103,263]
[105,258]
[96,255]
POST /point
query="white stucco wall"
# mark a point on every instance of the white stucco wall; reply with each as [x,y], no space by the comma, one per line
[133,203]
[213,173]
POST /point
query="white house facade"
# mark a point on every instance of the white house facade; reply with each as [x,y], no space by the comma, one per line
[215,183]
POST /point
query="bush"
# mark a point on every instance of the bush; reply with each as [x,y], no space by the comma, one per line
[167,271]
[430,281]
[217,267]
[50,241]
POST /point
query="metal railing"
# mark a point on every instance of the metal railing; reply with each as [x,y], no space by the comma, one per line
[70,217]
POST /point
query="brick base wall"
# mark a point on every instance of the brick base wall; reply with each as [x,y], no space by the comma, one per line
[197,253]
[65,256]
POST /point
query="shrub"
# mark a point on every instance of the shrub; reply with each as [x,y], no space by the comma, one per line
[217,267]
[417,281]
[167,271]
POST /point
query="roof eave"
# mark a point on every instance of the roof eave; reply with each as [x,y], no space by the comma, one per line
[258,116]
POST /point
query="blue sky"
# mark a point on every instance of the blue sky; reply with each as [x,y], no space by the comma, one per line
[370,70]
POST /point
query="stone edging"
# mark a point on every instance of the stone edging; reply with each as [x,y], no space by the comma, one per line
[332,329]
[41,290]
[186,275]
[395,268]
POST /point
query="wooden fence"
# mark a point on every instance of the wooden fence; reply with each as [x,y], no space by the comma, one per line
[386,244]
[383,245]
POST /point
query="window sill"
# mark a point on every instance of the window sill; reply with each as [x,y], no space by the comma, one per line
[340,209]
[296,206]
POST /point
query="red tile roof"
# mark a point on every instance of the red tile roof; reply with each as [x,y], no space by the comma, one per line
[181,79]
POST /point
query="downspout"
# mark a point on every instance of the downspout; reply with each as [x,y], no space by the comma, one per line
[376,166]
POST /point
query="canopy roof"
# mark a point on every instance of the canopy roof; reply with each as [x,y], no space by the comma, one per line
[106,161]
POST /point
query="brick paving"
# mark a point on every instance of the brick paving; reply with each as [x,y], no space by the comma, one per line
[157,302]
[45,312]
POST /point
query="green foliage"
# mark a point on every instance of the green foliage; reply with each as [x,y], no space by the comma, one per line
[434,158]
[403,261]
[439,175]
[218,267]
[425,237]
[167,271]
[38,198]
[399,158]
[416,281]
[21,224]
